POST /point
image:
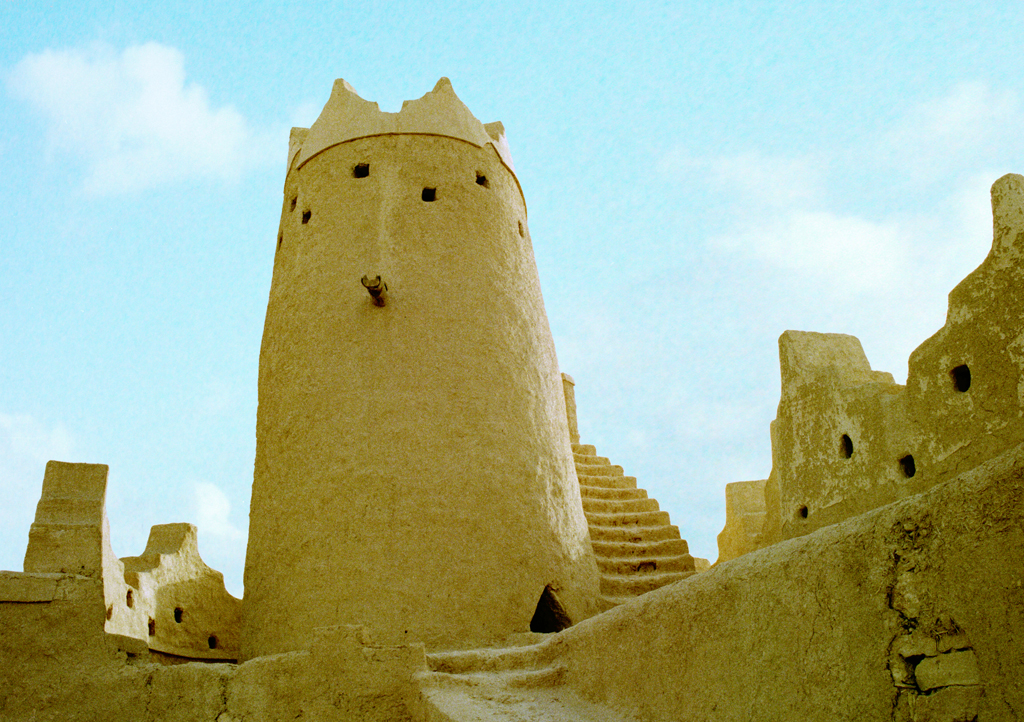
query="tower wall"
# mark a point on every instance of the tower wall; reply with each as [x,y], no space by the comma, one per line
[413,466]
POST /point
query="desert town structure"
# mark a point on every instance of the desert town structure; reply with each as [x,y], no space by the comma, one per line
[430,540]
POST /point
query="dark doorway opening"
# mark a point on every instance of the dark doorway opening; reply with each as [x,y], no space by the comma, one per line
[550,616]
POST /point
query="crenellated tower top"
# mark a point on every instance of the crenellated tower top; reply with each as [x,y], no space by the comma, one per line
[440,112]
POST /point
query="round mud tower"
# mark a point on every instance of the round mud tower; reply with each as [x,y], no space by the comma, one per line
[413,467]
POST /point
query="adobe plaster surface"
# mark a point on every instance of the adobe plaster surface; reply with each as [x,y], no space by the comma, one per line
[744,513]
[965,387]
[413,461]
[914,611]
[848,439]
[189,612]
[416,492]
[910,612]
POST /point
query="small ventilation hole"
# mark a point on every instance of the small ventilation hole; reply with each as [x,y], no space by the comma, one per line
[521,228]
[129,599]
[212,641]
[846,447]
[429,194]
[802,512]
[306,215]
[961,378]
[295,200]
[908,466]
[362,170]
[481,180]
[178,614]
[152,627]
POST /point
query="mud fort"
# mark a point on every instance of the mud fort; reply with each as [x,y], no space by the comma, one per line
[430,540]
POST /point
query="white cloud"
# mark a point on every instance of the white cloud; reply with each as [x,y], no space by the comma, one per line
[781,220]
[213,513]
[132,117]
[786,213]
[765,180]
[25,440]
[958,131]
[854,254]
[222,544]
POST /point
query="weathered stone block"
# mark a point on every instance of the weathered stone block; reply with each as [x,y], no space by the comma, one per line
[953,641]
[916,644]
[954,668]
[951,704]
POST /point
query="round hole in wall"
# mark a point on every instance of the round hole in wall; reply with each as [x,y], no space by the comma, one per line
[212,641]
[846,446]
[178,614]
[908,466]
[481,180]
[429,195]
[129,599]
[961,376]
[362,170]
[802,512]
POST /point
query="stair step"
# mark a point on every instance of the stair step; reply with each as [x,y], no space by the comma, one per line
[639,550]
[604,492]
[591,460]
[599,470]
[637,547]
[559,704]
[636,584]
[607,482]
[488,660]
[629,518]
[646,565]
[636,534]
[607,601]
[618,506]
[509,678]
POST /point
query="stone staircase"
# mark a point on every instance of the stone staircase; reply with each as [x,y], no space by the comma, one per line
[637,547]
[514,684]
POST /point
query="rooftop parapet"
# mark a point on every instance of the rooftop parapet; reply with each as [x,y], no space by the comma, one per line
[848,439]
[70,533]
[829,360]
[440,112]
[190,612]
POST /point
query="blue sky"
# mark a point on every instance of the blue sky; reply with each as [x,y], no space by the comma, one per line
[700,177]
